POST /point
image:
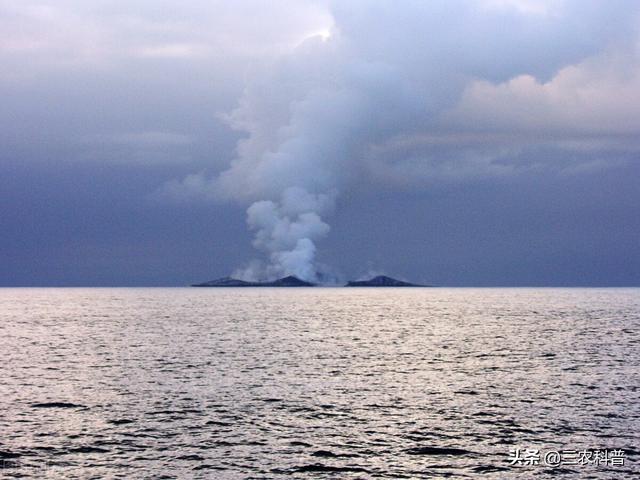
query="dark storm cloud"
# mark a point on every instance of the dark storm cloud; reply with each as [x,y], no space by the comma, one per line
[329,121]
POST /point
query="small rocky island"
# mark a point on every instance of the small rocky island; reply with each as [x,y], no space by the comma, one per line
[382,281]
[291,281]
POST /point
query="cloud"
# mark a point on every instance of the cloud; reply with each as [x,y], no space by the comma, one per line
[399,82]
[532,7]
[337,96]
[144,139]
[414,94]
[172,50]
[103,35]
[597,97]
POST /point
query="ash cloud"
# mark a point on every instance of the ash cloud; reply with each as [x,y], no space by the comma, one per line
[410,94]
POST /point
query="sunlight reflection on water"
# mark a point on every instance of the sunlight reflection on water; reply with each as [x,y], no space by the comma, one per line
[319,382]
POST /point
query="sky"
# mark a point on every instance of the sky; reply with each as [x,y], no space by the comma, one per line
[455,143]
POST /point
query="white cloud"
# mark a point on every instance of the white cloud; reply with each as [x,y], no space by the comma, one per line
[599,96]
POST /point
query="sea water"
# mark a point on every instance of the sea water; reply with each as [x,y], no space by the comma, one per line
[319,383]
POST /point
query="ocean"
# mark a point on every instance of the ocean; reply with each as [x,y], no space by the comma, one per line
[267,383]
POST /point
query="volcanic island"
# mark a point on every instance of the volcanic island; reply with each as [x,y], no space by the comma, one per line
[292,281]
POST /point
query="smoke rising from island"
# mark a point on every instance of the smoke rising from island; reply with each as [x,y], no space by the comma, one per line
[297,166]
[386,96]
